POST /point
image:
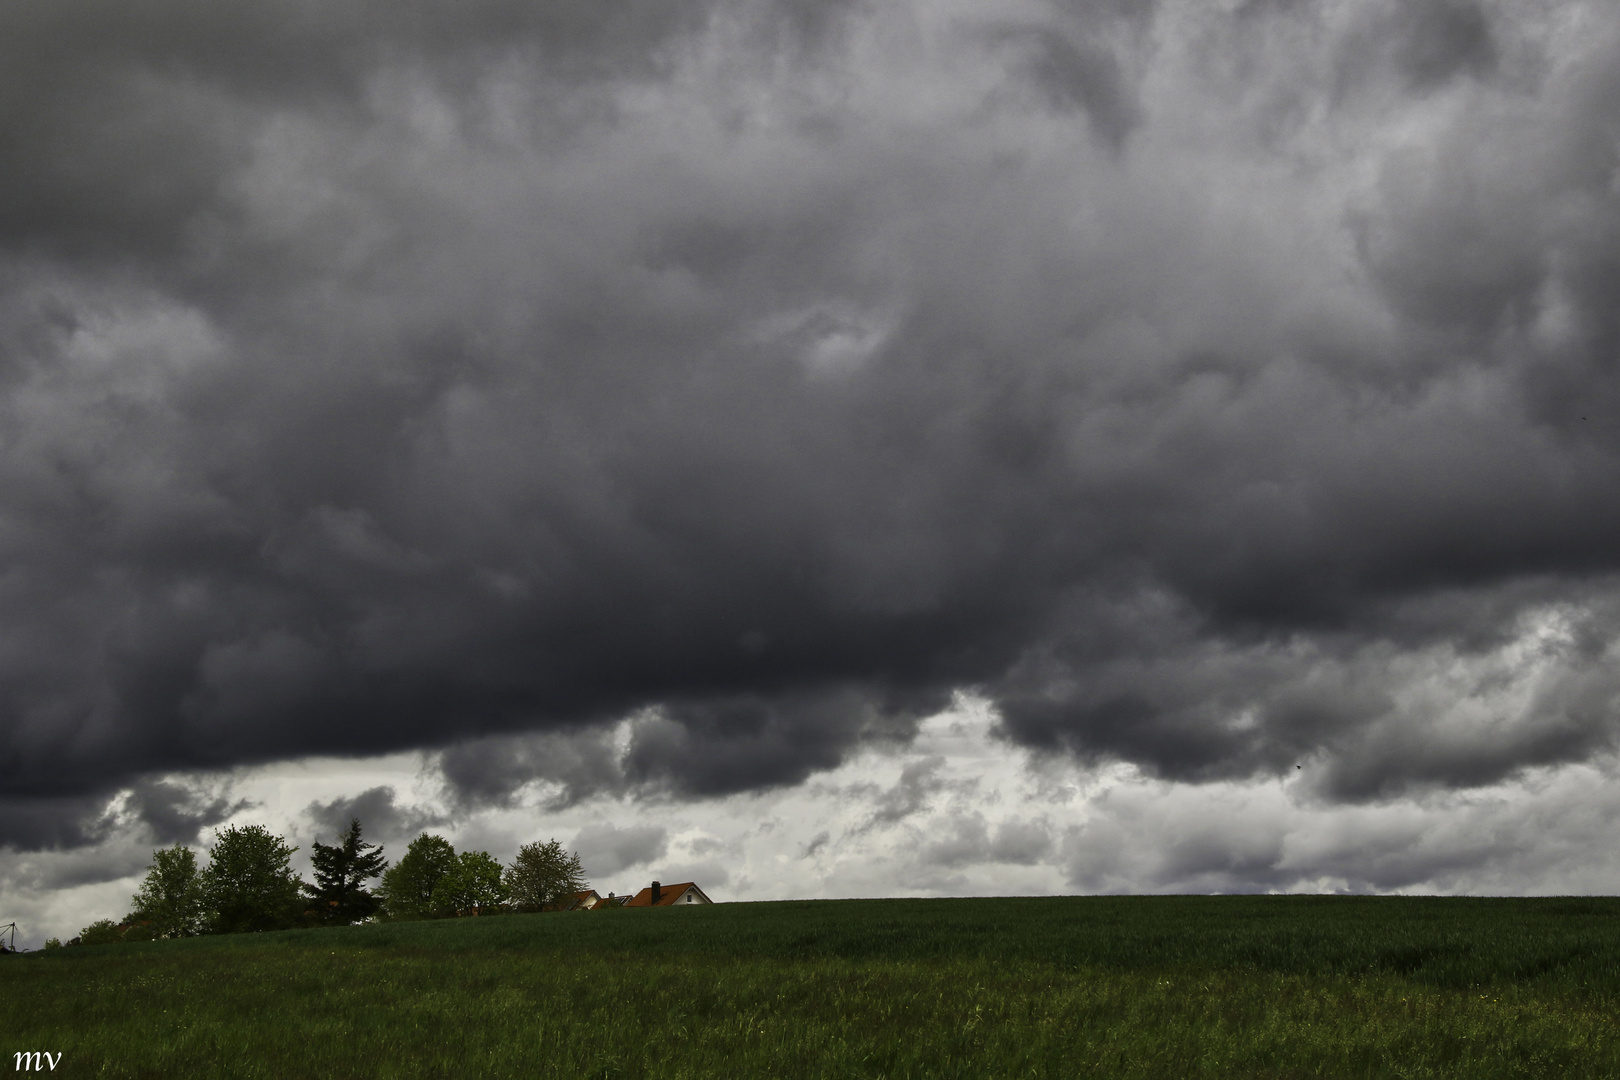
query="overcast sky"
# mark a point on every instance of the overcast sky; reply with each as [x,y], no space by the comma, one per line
[923,447]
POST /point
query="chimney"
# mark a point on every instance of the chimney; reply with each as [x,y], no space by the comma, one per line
[658,890]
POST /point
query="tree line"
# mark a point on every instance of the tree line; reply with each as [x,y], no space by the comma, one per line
[249,885]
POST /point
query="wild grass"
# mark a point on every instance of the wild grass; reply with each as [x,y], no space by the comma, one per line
[1108,987]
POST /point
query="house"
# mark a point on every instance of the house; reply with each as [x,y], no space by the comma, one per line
[659,895]
[579,901]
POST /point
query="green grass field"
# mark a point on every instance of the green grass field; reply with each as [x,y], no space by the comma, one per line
[1061,987]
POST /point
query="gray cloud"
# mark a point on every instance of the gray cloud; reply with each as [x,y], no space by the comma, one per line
[478,380]
[1255,840]
[966,839]
[1439,40]
[1084,76]
[711,875]
[606,849]
[83,865]
[1022,842]
[380,815]
[911,794]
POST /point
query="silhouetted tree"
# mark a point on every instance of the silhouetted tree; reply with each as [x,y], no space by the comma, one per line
[248,885]
[407,886]
[472,882]
[543,875]
[170,899]
[339,894]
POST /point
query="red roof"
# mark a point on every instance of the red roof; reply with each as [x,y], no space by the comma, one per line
[668,895]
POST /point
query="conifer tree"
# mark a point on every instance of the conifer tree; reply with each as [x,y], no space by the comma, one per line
[339,895]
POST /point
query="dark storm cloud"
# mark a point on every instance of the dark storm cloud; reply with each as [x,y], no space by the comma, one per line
[490,771]
[723,745]
[1217,392]
[36,823]
[123,125]
[176,813]
[162,811]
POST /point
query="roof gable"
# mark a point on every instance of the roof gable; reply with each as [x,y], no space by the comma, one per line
[669,895]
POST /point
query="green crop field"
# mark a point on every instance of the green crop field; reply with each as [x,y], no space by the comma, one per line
[1060,987]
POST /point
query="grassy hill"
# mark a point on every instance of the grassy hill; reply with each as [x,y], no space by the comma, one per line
[1128,987]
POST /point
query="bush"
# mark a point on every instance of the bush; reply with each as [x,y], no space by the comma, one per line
[101,932]
[135,929]
[52,943]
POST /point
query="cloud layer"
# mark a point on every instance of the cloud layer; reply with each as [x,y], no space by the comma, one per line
[1214,388]
[958,811]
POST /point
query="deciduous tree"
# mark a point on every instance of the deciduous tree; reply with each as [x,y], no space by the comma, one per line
[407,886]
[543,875]
[248,885]
[472,882]
[339,895]
[170,899]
